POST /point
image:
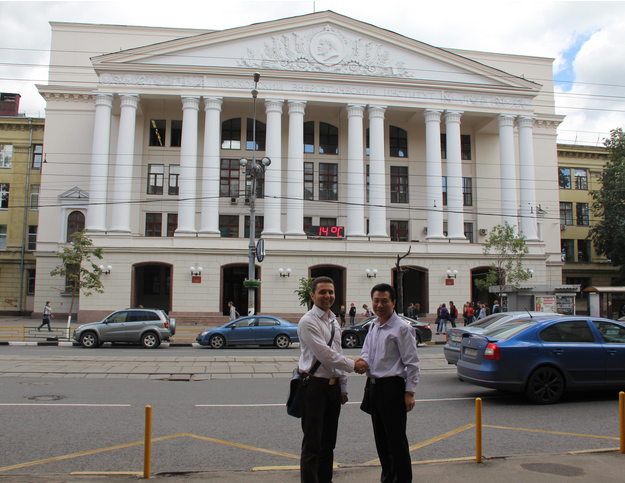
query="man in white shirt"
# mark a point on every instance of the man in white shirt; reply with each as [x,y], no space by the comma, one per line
[390,350]
[327,388]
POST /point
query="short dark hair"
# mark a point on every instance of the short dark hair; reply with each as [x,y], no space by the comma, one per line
[384,287]
[319,280]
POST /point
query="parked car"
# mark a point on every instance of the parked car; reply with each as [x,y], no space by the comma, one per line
[252,330]
[148,327]
[546,358]
[354,335]
[454,335]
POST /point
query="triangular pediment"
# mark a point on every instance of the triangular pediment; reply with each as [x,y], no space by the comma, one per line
[323,44]
[74,194]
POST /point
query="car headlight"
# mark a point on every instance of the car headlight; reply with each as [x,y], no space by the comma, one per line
[202,334]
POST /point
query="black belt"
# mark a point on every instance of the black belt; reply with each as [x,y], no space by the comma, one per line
[323,380]
[386,380]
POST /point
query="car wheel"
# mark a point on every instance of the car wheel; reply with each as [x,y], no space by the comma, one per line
[545,386]
[350,341]
[217,341]
[282,341]
[150,340]
[418,337]
[89,340]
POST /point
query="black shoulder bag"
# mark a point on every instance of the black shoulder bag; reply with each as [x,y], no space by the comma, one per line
[295,403]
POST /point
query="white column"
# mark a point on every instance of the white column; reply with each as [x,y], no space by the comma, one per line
[434,175]
[355,172]
[527,174]
[122,195]
[377,174]
[508,174]
[455,198]
[188,167]
[273,174]
[295,174]
[96,215]
[210,167]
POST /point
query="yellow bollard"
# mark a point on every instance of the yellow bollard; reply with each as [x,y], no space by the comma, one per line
[478,430]
[147,444]
[621,413]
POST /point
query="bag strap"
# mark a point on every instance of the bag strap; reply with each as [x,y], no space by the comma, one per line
[318,363]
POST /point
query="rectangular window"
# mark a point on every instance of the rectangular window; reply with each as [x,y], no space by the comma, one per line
[309,137]
[176,134]
[34,196]
[581,179]
[367,182]
[399,230]
[31,282]
[465,146]
[468,232]
[6,155]
[327,221]
[3,237]
[231,134]
[398,142]
[172,223]
[309,181]
[307,224]
[467,191]
[261,135]
[259,221]
[157,132]
[153,224]
[399,184]
[328,181]
[229,226]
[260,183]
[367,147]
[32,238]
[568,250]
[583,214]
[328,138]
[71,277]
[443,146]
[585,282]
[37,156]
[174,175]
[444,190]
[566,213]
[564,178]
[4,195]
[156,175]
[583,250]
[229,178]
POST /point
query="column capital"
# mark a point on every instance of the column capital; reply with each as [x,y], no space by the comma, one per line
[297,107]
[213,103]
[505,120]
[453,116]
[129,100]
[432,115]
[191,102]
[376,111]
[525,121]
[103,98]
[357,110]
[274,105]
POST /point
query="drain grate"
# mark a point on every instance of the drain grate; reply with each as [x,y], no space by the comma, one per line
[47,397]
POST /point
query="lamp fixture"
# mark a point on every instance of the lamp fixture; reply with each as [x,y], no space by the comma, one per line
[107,271]
[371,273]
[196,272]
[530,272]
[451,274]
[284,273]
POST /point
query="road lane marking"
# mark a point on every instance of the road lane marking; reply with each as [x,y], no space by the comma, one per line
[243,446]
[551,432]
[68,405]
[348,403]
[105,473]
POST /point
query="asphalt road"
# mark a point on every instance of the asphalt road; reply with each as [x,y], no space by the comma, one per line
[241,423]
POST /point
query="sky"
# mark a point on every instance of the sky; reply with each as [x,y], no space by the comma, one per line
[585,40]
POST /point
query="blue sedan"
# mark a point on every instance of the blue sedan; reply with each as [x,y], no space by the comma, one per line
[253,330]
[546,358]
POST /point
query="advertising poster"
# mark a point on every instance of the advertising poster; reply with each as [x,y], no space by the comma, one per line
[545,303]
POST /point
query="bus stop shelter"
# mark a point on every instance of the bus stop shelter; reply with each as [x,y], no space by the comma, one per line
[599,297]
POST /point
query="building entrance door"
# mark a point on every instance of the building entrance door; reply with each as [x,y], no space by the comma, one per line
[152,286]
[233,289]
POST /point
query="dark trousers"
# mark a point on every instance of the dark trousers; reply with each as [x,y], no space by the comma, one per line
[320,424]
[46,320]
[388,415]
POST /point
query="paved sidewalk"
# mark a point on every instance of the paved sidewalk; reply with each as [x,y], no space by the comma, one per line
[604,467]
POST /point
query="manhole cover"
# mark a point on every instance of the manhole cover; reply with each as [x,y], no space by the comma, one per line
[50,397]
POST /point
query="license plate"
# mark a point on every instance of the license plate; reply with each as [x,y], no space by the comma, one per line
[456,338]
[470,352]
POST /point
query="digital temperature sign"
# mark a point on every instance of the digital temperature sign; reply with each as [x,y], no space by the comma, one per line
[327,231]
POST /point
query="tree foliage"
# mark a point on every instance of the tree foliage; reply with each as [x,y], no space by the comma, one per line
[81,274]
[509,251]
[304,292]
[608,207]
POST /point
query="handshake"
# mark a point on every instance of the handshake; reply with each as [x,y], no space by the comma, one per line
[360,366]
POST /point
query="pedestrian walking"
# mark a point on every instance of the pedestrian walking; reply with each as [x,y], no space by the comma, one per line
[453,314]
[342,315]
[367,312]
[444,317]
[234,315]
[47,315]
[470,314]
[352,314]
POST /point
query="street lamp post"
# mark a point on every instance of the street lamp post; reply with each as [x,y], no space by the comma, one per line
[256,169]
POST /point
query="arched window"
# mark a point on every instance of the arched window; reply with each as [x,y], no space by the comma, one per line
[398,142]
[261,135]
[328,138]
[75,222]
[231,134]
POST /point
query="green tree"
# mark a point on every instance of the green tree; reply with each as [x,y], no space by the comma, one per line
[81,274]
[304,291]
[608,231]
[509,251]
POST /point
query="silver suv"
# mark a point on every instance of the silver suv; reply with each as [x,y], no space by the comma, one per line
[148,327]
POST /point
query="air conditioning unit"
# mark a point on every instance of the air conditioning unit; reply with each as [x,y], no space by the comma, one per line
[234,201]
[247,201]
[562,227]
[483,231]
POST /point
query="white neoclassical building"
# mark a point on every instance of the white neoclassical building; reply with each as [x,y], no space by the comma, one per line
[378,144]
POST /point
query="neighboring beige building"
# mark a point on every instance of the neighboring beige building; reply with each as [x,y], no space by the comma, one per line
[21,157]
[387,141]
[579,170]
